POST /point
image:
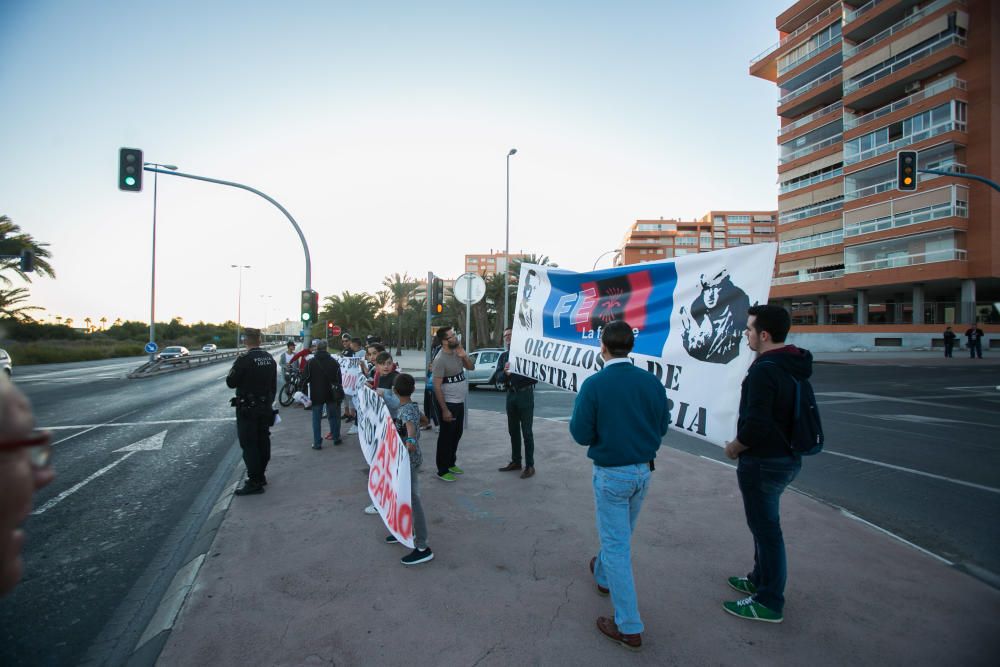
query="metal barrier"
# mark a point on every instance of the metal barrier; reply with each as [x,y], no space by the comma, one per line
[162,366]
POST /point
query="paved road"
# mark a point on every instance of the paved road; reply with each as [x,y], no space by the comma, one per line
[110,513]
[912,449]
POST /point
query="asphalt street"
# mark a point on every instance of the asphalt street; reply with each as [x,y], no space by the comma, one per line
[912,449]
[131,457]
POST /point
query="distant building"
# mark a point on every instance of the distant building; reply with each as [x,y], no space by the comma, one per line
[652,240]
[490,264]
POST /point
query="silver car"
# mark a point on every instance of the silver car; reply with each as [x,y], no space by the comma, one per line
[5,363]
[173,352]
[209,347]
[486,366]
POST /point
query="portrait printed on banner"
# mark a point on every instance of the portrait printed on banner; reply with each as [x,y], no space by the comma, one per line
[713,327]
[524,314]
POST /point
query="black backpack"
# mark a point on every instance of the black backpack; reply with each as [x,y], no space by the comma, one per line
[807,428]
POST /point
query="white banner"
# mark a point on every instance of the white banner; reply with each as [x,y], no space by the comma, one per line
[688,315]
[389,478]
[350,374]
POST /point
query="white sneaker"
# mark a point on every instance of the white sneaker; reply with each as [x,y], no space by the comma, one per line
[352,431]
[371,510]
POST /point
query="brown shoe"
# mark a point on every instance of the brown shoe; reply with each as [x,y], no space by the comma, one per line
[600,589]
[528,472]
[610,630]
[510,466]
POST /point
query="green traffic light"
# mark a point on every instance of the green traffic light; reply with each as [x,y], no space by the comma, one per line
[305,316]
[130,180]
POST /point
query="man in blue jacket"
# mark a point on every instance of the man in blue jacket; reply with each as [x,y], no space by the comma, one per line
[621,416]
[767,463]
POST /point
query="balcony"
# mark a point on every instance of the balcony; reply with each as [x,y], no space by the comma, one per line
[903,260]
[834,237]
[812,148]
[933,131]
[851,51]
[945,202]
[805,120]
[812,180]
[852,121]
[808,277]
[822,90]
[873,17]
[810,54]
[809,211]
[890,184]
[919,65]
[787,39]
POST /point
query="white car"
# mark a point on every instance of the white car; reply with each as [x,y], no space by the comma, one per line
[209,347]
[486,365]
[6,364]
[174,352]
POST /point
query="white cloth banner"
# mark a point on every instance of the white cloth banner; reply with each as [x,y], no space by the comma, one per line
[688,315]
[389,478]
[350,374]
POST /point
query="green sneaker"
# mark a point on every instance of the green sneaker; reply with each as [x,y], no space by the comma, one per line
[752,611]
[447,477]
[742,585]
[455,470]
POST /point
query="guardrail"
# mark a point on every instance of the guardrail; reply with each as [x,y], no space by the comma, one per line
[162,366]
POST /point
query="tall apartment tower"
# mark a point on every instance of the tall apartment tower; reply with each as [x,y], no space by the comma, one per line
[859,81]
[652,240]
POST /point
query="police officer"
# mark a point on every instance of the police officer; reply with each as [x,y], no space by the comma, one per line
[254,376]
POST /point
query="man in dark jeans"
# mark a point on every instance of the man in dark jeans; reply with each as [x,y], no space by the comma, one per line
[450,391]
[767,463]
[520,412]
[974,335]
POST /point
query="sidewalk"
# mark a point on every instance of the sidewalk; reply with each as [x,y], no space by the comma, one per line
[301,576]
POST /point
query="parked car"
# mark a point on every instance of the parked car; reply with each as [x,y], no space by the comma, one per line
[173,352]
[6,364]
[486,365]
[209,347]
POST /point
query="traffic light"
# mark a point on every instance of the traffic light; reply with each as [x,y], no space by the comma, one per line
[906,171]
[130,169]
[437,296]
[310,306]
[27,261]
[329,329]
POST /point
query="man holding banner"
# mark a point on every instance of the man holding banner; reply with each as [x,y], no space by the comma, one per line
[620,415]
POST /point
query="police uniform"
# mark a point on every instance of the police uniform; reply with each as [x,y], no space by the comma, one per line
[254,377]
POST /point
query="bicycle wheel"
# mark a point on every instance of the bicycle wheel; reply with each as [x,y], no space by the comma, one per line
[285,396]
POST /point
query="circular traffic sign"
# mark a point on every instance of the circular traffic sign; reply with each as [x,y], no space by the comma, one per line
[469,288]
[151,347]
[335,330]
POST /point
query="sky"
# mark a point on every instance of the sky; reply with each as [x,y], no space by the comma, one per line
[383,128]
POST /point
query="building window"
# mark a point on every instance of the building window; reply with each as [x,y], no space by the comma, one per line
[737,219]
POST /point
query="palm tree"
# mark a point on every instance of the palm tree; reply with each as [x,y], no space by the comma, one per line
[400,288]
[10,304]
[88,321]
[104,323]
[118,322]
[12,242]
[69,322]
[353,312]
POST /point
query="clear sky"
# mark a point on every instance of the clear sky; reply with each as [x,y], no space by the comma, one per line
[382,127]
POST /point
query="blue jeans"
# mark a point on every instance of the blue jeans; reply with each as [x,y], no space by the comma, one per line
[618,495]
[762,482]
[332,414]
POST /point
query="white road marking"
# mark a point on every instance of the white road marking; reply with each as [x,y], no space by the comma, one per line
[851,515]
[916,472]
[722,463]
[91,427]
[88,427]
[561,420]
[153,442]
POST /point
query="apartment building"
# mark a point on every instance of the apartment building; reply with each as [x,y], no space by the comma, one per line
[857,82]
[651,240]
[490,264]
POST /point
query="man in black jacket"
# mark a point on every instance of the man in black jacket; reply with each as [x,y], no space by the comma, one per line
[767,463]
[325,390]
[254,376]
[520,411]
[975,337]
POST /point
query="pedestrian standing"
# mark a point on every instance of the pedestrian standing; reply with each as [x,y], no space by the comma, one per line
[621,416]
[520,412]
[326,391]
[974,336]
[949,341]
[450,390]
[767,463]
[285,360]
[254,376]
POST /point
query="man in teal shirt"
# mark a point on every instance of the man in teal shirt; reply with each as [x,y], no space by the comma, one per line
[621,416]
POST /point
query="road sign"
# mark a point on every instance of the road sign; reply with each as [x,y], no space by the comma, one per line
[469,288]
[151,347]
[335,330]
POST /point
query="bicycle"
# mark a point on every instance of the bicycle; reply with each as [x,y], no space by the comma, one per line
[293,384]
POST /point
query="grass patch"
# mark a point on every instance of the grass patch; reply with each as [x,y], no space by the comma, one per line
[60,351]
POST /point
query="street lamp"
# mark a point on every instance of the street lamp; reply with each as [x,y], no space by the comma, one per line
[506,251]
[617,251]
[152,288]
[239,300]
[266,304]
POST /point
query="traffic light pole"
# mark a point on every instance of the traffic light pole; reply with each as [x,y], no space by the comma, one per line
[427,328]
[298,230]
[955,174]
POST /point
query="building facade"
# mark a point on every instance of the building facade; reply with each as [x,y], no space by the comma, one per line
[857,82]
[652,240]
[490,264]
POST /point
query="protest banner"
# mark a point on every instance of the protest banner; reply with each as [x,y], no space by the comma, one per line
[350,374]
[688,316]
[389,477]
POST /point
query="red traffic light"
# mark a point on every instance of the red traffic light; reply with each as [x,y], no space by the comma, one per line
[334,329]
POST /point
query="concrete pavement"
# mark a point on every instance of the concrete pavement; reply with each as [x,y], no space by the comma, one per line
[300,575]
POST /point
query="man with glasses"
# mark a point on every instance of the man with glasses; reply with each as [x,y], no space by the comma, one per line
[450,390]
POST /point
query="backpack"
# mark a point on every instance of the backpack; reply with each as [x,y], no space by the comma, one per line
[807,428]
